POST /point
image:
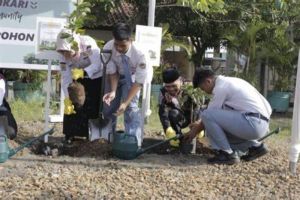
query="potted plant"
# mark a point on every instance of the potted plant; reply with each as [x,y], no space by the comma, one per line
[282,56]
[28,84]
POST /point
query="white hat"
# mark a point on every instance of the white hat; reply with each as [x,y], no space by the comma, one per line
[63,42]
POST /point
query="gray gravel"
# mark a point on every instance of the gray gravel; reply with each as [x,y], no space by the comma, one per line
[92,173]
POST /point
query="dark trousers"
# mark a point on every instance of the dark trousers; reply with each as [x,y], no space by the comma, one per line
[11,124]
[78,124]
[177,120]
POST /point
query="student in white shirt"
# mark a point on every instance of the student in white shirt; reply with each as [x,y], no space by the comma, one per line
[128,72]
[236,117]
[80,63]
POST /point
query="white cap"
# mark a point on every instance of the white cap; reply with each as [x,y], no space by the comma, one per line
[64,43]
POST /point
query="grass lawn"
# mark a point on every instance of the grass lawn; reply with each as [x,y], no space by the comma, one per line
[34,111]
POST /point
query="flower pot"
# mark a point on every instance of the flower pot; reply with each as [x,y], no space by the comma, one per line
[155,90]
[279,101]
[27,91]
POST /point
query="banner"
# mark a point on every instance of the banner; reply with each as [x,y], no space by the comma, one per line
[18,28]
[47,30]
[149,38]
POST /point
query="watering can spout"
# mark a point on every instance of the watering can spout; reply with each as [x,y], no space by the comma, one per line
[12,152]
[6,152]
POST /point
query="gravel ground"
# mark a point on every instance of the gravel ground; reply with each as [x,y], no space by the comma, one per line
[89,171]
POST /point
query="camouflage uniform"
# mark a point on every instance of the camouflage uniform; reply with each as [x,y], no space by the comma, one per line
[178,113]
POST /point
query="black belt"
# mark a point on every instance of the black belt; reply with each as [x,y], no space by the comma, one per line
[257,115]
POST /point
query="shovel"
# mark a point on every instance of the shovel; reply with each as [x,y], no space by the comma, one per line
[102,120]
[276,131]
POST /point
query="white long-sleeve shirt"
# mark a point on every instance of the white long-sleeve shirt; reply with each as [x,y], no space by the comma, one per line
[89,60]
[2,90]
[137,62]
[237,94]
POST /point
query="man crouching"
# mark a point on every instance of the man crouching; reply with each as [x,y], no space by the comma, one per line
[236,117]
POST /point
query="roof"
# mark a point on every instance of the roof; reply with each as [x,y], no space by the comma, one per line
[125,12]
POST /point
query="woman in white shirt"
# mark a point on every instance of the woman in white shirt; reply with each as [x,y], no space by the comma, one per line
[80,63]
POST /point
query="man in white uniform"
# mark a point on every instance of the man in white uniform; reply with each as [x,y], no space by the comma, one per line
[128,72]
[236,117]
[80,63]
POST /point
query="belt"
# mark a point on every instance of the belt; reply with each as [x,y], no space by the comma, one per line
[257,115]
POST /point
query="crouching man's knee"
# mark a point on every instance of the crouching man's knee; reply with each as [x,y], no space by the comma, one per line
[206,115]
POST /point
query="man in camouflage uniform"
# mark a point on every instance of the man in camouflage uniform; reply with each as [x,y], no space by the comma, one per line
[176,106]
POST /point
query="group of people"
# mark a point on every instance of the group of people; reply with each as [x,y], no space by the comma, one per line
[126,73]
[235,118]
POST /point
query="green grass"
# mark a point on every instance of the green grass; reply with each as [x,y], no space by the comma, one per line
[34,111]
[27,111]
[153,122]
[284,121]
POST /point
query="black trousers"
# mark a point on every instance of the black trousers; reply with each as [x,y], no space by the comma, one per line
[5,111]
[77,124]
[178,120]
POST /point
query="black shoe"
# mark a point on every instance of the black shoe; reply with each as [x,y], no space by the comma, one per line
[255,152]
[222,157]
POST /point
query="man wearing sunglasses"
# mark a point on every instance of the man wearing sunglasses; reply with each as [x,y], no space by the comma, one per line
[175,106]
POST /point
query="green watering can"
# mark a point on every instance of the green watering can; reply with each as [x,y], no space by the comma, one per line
[6,152]
[125,146]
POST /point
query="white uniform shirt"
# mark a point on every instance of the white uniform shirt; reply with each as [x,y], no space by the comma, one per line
[89,60]
[239,95]
[2,91]
[137,62]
